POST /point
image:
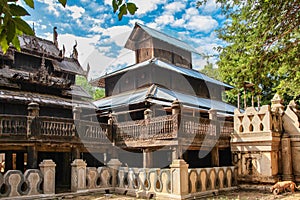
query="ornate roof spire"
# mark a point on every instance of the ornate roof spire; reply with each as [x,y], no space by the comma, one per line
[55,37]
[75,52]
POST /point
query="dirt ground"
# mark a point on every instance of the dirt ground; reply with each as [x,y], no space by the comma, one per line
[230,195]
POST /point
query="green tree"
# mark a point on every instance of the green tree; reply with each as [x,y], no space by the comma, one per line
[12,25]
[209,69]
[262,46]
[96,93]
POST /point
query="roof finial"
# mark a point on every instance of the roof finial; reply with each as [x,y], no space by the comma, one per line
[33,28]
[55,37]
[75,52]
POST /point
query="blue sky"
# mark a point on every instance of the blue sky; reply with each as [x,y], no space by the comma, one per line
[101,36]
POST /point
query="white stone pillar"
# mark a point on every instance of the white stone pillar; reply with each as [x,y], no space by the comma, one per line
[287,162]
[47,168]
[179,177]
[114,165]
[78,175]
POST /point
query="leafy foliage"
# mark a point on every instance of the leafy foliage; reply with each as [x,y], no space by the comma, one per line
[262,46]
[96,93]
[11,24]
[210,71]
[123,7]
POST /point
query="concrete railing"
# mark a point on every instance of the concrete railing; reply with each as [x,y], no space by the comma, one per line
[33,182]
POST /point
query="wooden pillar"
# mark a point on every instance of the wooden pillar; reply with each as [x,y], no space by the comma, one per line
[65,168]
[147,158]
[33,112]
[20,161]
[175,107]
[215,156]
[32,156]
[215,149]
[76,112]
[174,153]
[8,161]
[75,153]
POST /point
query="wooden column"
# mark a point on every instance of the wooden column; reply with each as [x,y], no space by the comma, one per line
[8,161]
[20,161]
[215,150]
[75,153]
[147,158]
[174,153]
[32,156]
[33,112]
[215,156]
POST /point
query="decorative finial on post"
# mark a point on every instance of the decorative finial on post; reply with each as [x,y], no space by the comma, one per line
[55,37]
[276,105]
[175,107]
[75,52]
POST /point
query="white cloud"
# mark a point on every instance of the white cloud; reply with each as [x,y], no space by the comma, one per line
[210,7]
[76,11]
[174,7]
[164,19]
[190,12]
[53,6]
[146,6]
[201,23]
[178,23]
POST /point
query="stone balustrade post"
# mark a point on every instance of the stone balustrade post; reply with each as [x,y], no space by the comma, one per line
[179,178]
[78,175]
[47,168]
[287,162]
[114,165]
[33,112]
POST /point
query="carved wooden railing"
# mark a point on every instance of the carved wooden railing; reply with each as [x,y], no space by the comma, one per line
[226,128]
[198,126]
[13,124]
[163,127]
[88,130]
[50,126]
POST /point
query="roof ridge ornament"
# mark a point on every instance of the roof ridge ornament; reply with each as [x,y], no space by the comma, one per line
[55,37]
[75,52]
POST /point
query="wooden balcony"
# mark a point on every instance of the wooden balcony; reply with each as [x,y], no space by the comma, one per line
[153,131]
[50,128]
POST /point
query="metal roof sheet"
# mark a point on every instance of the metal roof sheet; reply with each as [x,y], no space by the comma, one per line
[181,70]
[166,38]
[164,97]
[43,99]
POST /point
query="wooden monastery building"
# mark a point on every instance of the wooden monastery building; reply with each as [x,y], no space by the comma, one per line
[163,109]
[38,99]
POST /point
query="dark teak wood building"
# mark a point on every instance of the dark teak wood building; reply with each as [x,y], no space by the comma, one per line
[162,104]
[38,100]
